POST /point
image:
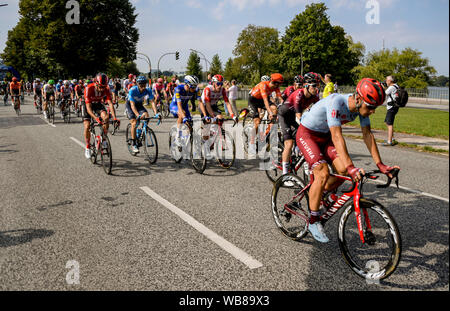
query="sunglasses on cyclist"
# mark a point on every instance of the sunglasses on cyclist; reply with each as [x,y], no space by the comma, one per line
[219,83]
[312,84]
[371,107]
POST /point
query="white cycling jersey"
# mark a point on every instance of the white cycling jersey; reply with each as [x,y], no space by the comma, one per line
[49,89]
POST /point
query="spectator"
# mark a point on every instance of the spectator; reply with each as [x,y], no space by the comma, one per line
[392,110]
[329,85]
[233,96]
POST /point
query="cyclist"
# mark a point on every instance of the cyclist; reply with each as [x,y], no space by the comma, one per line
[126,82]
[135,106]
[159,91]
[79,90]
[320,139]
[66,94]
[94,109]
[171,87]
[180,103]
[210,96]
[298,84]
[291,111]
[15,89]
[259,98]
[28,87]
[49,94]
[37,91]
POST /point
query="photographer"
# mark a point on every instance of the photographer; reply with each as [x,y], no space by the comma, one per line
[390,88]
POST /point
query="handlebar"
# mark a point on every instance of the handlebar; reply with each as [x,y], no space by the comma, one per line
[373,175]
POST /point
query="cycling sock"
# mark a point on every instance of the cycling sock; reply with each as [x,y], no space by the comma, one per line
[315,217]
[285,166]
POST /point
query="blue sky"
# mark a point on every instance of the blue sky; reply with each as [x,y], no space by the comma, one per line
[213,26]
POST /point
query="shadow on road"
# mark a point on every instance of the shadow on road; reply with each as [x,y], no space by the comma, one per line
[424,227]
[22,236]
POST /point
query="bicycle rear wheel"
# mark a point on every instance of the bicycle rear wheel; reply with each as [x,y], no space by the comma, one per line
[150,146]
[198,154]
[379,255]
[106,154]
[175,150]
[225,149]
[93,147]
[290,209]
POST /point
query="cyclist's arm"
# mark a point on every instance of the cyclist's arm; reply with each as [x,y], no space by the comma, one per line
[371,144]
[181,112]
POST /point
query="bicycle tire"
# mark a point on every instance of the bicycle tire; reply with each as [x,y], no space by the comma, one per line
[286,212]
[150,146]
[382,266]
[93,147]
[128,140]
[176,153]
[222,152]
[198,155]
[106,155]
[272,171]
[165,111]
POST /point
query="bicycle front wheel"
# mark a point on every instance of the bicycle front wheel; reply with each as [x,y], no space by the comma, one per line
[150,146]
[290,206]
[198,153]
[225,149]
[379,255]
[106,155]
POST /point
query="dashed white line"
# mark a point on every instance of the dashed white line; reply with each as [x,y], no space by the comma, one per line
[233,250]
[78,142]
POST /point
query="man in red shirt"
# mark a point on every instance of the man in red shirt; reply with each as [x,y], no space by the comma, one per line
[94,108]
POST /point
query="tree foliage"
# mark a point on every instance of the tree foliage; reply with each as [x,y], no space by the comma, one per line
[256,52]
[408,66]
[44,44]
[193,67]
[325,48]
[216,66]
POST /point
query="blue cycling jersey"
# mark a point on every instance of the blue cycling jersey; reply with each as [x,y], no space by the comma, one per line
[330,112]
[182,96]
[134,95]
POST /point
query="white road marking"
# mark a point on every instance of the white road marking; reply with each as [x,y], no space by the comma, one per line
[233,250]
[51,124]
[415,191]
[78,142]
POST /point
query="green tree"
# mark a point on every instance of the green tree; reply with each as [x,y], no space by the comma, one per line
[193,67]
[440,81]
[408,66]
[216,66]
[325,48]
[256,52]
[52,46]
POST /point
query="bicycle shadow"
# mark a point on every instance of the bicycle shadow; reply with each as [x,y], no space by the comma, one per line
[7,151]
[424,265]
[22,236]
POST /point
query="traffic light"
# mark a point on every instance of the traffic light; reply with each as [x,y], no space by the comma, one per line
[177,55]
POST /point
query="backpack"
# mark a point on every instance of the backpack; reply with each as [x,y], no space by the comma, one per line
[400,97]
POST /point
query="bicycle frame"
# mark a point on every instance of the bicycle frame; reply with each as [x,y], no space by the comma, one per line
[354,192]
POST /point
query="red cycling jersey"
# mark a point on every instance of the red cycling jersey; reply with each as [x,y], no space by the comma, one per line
[209,95]
[91,95]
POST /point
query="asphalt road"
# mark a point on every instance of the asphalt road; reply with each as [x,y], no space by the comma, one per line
[60,214]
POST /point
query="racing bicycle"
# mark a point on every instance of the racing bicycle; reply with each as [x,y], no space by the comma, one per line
[368,236]
[146,137]
[100,145]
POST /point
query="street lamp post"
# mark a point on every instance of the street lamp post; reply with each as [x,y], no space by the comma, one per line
[301,57]
[206,61]
[148,62]
[172,53]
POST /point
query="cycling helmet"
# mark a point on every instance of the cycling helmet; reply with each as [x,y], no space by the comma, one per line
[142,80]
[160,80]
[101,79]
[74,81]
[66,82]
[311,77]
[38,80]
[51,82]
[371,91]
[299,79]
[265,78]
[14,79]
[217,78]
[191,81]
[60,81]
[276,77]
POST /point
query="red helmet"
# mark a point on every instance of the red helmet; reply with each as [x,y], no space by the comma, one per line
[371,91]
[312,77]
[101,79]
[217,78]
[130,76]
[277,77]
[14,79]
[160,80]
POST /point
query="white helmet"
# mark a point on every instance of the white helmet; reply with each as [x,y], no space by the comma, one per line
[66,82]
[38,80]
[265,78]
[191,81]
